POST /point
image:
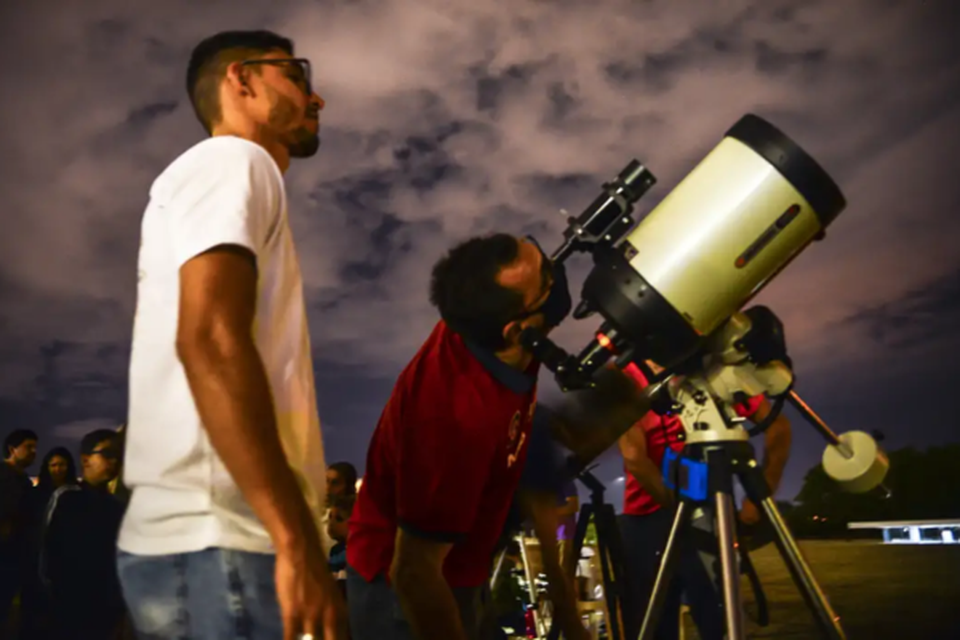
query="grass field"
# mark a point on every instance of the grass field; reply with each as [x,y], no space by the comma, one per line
[880,591]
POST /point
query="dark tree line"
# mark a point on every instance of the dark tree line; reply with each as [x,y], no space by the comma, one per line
[924,485]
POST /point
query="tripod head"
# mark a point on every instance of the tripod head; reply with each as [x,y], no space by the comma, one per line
[592,483]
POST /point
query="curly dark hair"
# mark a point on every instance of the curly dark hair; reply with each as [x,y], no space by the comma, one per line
[464,288]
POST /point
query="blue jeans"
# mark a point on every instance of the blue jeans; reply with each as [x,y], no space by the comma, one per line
[212,594]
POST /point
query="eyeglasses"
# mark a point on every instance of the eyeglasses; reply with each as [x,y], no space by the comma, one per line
[301,74]
[109,454]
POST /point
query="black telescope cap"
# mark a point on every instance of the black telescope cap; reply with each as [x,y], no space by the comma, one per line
[793,163]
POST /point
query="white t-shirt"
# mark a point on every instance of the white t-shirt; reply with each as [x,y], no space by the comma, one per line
[224,190]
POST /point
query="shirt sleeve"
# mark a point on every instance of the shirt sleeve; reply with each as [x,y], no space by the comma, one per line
[443,465]
[230,197]
[546,469]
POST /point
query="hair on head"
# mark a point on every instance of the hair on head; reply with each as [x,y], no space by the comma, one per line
[209,62]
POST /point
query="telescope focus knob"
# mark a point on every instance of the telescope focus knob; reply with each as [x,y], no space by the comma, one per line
[857,464]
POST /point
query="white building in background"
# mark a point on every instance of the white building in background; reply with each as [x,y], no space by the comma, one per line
[915,531]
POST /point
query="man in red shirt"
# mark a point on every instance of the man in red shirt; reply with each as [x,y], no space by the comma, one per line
[447,454]
[648,516]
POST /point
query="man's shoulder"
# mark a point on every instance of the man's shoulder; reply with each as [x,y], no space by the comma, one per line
[438,362]
[68,494]
[12,476]
[443,383]
[230,149]
[216,158]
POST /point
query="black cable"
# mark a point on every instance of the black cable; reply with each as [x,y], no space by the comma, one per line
[775,410]
[763,611]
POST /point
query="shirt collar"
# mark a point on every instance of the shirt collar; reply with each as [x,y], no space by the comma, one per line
[517,381]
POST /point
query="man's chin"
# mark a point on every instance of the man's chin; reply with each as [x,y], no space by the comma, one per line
[306,147]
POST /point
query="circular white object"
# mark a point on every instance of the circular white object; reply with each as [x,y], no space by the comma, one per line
[861,472]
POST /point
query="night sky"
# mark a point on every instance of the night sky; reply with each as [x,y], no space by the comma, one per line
[450,118]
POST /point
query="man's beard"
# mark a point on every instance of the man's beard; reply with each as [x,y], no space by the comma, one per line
[301,143]
[305,143]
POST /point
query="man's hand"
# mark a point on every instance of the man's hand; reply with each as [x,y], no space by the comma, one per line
[749,514]
[310,602]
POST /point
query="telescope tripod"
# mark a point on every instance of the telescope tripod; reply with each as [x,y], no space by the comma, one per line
[703,473]
[609,554]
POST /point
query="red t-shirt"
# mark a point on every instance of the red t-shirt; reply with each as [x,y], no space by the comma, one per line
[661,432]
[445,459]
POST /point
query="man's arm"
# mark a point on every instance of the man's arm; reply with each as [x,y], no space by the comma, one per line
[633,448]
[776,451]
[542,511]
[416,574]
[776,445]
[218,291]
[444,453]
[570,508]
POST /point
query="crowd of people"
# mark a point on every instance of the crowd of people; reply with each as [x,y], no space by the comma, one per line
[231,525]
[58,541]
[58,537]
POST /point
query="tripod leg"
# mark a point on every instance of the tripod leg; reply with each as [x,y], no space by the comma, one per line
[611,567]
[756,488]
[665,573]
[583,522]
[497,568]
[732,600]
[620,574]
[827,619]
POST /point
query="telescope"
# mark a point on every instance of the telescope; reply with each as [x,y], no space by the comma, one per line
[672,290]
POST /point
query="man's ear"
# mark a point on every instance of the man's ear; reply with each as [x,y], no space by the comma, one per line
[511,332]
[237,78]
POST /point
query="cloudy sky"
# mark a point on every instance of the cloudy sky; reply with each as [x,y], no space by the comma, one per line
[450,118]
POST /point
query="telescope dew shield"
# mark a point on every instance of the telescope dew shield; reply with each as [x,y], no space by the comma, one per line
[751,205]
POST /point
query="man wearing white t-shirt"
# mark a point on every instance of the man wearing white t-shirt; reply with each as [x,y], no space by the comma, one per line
[224,454]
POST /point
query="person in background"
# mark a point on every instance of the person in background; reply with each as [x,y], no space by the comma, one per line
[79,546]
[20,451]
[341,507]
[119,490]
[648,515]
[56,470]
[341,480]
